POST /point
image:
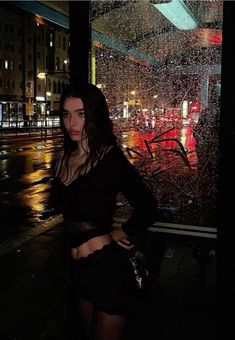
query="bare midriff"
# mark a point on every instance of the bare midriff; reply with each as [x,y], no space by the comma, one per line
[90,246]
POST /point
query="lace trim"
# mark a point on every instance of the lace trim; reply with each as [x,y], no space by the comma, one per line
[91,256]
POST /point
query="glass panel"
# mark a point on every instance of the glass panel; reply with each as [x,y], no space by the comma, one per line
[161,74]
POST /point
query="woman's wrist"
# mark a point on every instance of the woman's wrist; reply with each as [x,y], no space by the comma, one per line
[121,238]
[118,234]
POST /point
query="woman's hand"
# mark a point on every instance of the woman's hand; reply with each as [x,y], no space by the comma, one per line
[120,237]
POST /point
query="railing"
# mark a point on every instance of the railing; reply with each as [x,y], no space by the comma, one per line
[173,229]
[29,128]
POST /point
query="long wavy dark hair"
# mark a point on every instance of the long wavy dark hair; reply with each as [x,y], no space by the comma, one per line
[98,125]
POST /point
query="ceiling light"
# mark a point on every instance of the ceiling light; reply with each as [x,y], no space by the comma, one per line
[178,14]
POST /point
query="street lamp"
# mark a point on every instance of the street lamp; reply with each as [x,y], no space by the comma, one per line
[155,97]
[128,102]
[43,76]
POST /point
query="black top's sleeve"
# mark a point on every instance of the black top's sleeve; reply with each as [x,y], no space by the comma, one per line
[140,197]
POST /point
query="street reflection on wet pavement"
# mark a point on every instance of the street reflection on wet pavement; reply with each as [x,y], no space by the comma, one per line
[25,172]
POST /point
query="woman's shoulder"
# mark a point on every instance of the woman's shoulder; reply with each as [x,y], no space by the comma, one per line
[116,161]
[115,153]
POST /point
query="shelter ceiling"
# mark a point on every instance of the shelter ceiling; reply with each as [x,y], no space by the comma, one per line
[138,25]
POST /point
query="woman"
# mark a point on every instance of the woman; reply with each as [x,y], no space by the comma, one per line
[90,173]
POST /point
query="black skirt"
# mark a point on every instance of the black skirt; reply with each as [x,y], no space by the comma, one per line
[105,278]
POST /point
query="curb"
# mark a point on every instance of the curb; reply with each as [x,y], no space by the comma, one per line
[16,241]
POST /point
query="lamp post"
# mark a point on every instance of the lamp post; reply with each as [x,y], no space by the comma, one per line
[155,97]
[128,102]
[42,76]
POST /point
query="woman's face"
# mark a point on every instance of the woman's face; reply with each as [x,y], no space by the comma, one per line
[74,118]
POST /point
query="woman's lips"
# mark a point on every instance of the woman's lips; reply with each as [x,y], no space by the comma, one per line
[74,132]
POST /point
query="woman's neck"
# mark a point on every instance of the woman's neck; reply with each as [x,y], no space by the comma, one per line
[82,149]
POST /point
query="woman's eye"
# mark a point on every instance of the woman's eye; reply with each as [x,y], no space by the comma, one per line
[65,114]
[81,114]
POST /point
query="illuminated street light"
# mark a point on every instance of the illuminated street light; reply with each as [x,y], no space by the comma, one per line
[101,86]
[41,75]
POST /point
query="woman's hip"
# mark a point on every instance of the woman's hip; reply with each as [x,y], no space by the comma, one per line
[91,246]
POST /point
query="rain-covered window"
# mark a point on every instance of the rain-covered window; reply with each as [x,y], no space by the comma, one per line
[159,65]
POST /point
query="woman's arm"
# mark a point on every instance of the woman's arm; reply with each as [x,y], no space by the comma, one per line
[140,198]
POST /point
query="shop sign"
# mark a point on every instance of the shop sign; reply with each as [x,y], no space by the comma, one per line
[29,109]
[29,88]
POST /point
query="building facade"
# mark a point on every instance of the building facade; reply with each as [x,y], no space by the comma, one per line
[34,65]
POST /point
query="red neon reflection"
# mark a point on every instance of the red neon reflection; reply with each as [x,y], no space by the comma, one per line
[215,39]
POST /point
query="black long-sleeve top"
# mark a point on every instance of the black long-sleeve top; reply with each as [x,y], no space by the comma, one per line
[92,198]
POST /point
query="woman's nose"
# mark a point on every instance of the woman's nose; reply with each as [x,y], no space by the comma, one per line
[74,121]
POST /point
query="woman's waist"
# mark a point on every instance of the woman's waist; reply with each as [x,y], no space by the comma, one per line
[83,227]
[81,232]
[90,246]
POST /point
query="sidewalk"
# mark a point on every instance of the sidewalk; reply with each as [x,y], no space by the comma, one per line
[32,281]
[33,295]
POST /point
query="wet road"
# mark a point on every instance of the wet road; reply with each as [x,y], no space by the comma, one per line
[25,170]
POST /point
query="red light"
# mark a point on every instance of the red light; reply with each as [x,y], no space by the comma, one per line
[209,37]
[215,39]
[195,107]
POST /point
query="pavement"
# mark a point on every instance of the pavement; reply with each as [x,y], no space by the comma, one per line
[180,304]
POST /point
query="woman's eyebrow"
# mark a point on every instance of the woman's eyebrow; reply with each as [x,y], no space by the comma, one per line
[79,110]
[76,110]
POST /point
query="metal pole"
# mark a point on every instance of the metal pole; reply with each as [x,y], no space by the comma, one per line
[80,40]
[45,107]
[225,258]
